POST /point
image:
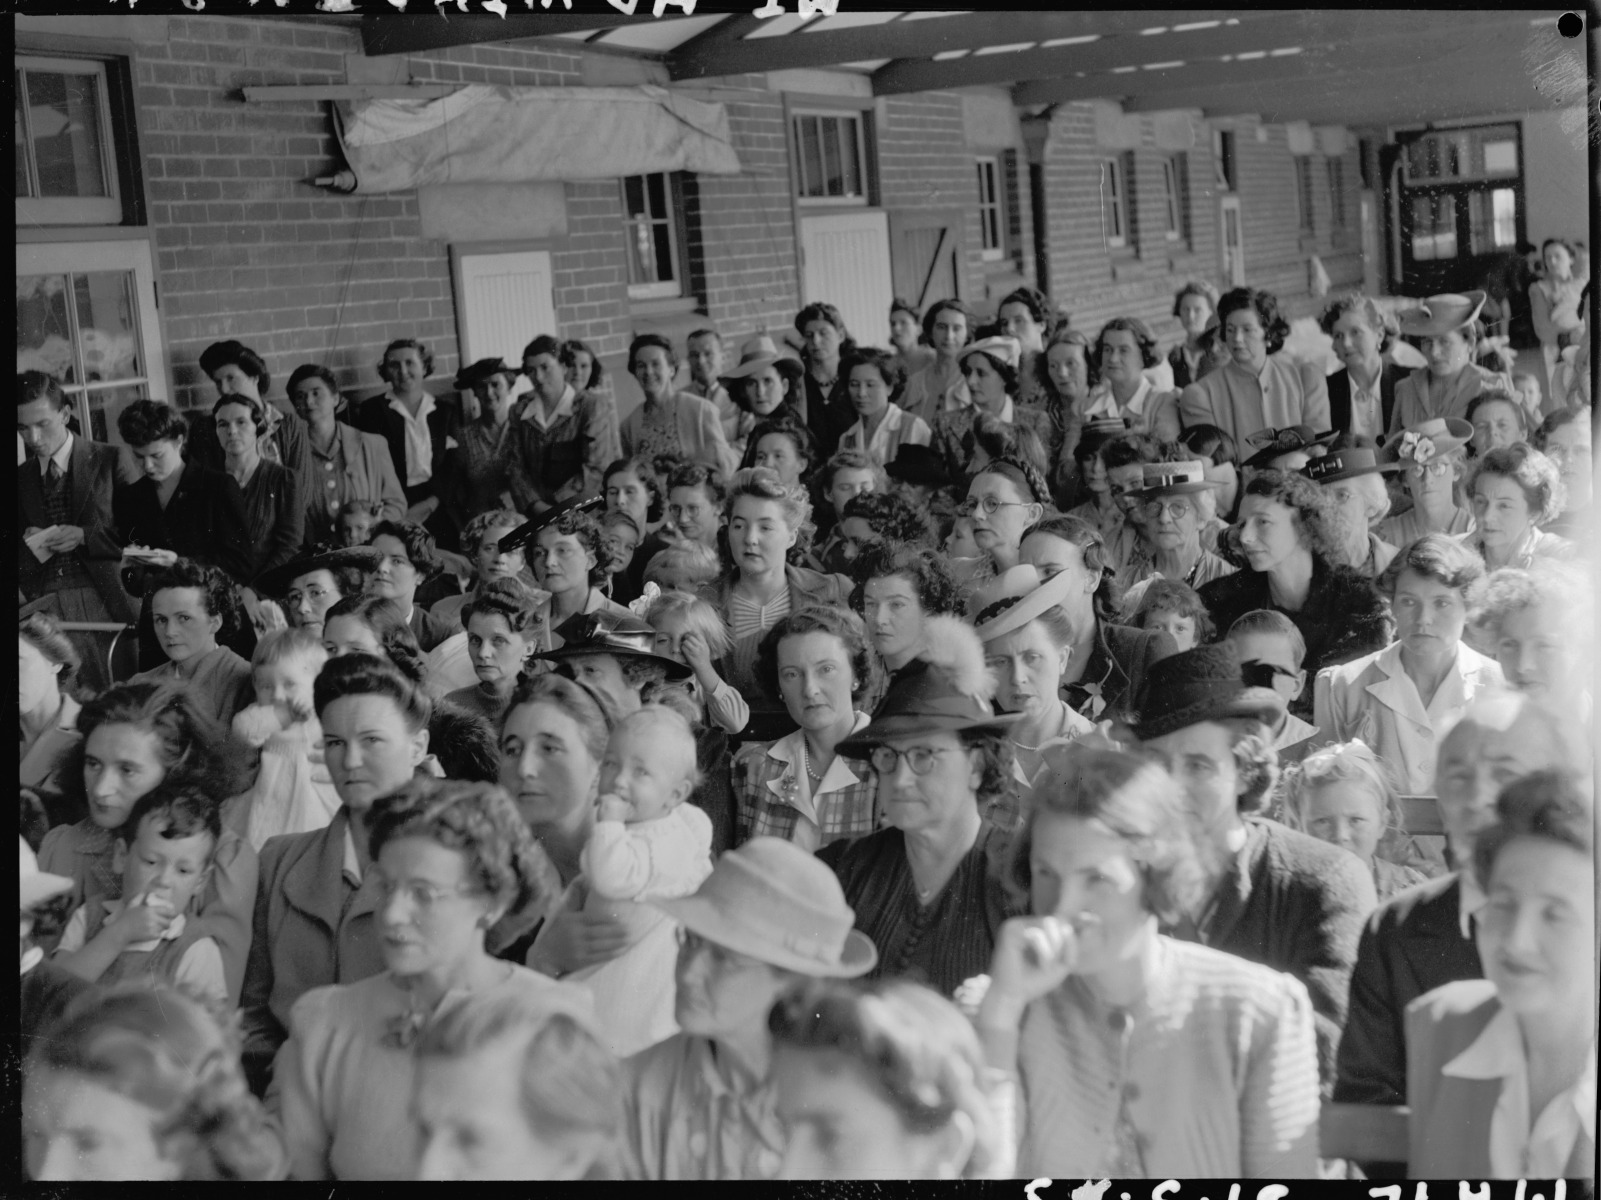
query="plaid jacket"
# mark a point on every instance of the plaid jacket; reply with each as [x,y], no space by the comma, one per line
[767,780]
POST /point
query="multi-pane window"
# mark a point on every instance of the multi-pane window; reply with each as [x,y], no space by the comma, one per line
[651,224]
[991,217]
[830,157]
[1114,203]
[65,159]
[1175,197]
[1492,220]
[1336,169]
[1433,227]
[1454,154]
[1303,191]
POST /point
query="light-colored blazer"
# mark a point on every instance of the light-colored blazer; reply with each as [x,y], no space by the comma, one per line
[1233,399]
[1372,698]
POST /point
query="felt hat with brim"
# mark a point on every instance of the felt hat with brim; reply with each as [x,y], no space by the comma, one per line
[1442,314]
[331,558]
[1204,684]
[1184,478]
[618,635]
[772,901]
[37,886]
[919,464]
[480,371]
[758,352]
[923,700]
[1003,349]
[1014,598]
[523,536]
[1347,464]
[1274,442]
[1445,434]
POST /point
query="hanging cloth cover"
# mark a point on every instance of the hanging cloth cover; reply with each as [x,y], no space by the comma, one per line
[482,134]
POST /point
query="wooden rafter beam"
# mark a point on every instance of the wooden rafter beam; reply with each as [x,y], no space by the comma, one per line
[414,35]
[917,39]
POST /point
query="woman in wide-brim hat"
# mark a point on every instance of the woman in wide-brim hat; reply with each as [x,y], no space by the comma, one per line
[1028,639]
[1353,477]
[923,887]
[1432,458]
[1446,329]
[1168,543]
[764,384]
[309,585]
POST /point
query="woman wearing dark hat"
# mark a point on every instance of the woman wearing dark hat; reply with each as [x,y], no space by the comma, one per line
[488,453]
[1447,330]
[700,1105]
[991,369]
[1269,894]
[1028,638]
[1287,449]
[1352,476]
[764,384]
[614,654]
[920,476]
[347,465]
[1288,538]
[235,368]
[938,387]
[310,585]
[924,887]
[1169,534]
[1431,457]
[1257,388]
[1138,1054]
[565,436]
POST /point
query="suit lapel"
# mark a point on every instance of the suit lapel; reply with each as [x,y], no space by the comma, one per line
[81,470]
[1394,690]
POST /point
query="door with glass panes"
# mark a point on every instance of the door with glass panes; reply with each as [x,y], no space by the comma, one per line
[1460,206]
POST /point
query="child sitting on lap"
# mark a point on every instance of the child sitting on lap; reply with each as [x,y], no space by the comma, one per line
[164,853]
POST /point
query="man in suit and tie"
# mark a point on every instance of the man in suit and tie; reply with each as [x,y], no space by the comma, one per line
[65,487]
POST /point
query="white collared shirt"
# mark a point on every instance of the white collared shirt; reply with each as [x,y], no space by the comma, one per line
[63,455]
[839,776]
[200,967]
[1519,1149]
[1104,404]
[1367,415]
[535,410]
[889,435]
[419,439]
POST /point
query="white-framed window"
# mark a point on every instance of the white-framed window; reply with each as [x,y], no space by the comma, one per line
[830,157]
[991,211]
[86,313]
[1303,192]
[66,162]
[650,216]
[1175,198]
[1114,203]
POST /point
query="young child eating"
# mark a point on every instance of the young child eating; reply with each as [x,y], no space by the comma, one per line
[293,792]
[164,853]
[1343,795]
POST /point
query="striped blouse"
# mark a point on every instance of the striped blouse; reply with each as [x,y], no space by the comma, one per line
[1213,1074]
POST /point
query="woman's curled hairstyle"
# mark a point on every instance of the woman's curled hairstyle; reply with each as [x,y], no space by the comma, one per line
[481,821]
[389,627]
[1315,518]
[217,591]
[1266,307]
[912,1043]
[163,1048]
[42,633]
[840,623]
[369,675]
[929,573]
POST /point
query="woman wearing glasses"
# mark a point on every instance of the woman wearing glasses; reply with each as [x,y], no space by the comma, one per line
[1003,500]
[1168,544]
[1433,457]
[448,860]
[925,888]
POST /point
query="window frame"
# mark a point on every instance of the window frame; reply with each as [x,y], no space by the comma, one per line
[864,155]
[672,190]
[992,214]
[110,209]
[1175,196]
[1112,166]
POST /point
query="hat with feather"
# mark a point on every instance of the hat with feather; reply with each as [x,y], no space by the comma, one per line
[947,689]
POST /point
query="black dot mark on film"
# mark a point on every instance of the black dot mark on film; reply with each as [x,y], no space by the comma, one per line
[1570,25]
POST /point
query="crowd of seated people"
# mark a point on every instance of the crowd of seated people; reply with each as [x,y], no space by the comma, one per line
[1009,750]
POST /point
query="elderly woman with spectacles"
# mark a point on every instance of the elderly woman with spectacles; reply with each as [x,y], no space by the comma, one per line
[923,887]
[1169,530]
[448,860]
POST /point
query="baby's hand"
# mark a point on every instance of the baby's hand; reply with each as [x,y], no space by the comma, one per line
[257,723]
[613,807]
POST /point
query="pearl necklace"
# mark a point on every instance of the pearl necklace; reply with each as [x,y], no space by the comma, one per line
[806,764]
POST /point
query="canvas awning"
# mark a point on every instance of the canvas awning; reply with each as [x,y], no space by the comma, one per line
[482,134]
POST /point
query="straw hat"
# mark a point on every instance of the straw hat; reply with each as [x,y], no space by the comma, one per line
[1003,349]
[772,901]
[1442,314]
[37,886]
[1184,478]
[1444,434]
[1347,464]
[1204,684]
[1274,442]
[1013,599]
[758,352]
